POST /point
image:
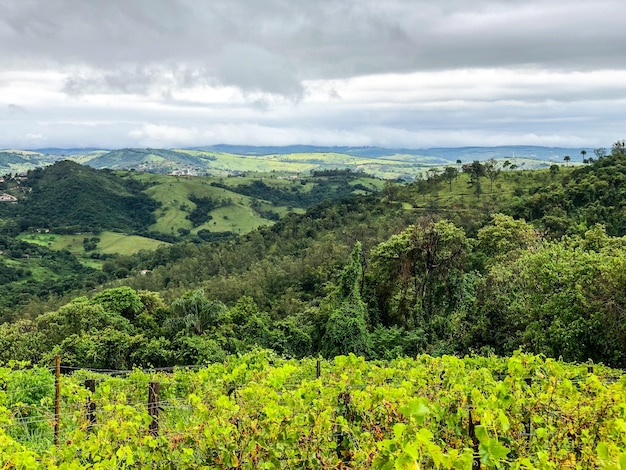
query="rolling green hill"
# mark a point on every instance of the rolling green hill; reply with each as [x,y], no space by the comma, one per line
[155,160]
[71,197]
[403,164]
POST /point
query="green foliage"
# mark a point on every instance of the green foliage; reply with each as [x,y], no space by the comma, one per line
[482,279]
[69,197]
[475,170]
[411,269]
[324,185]
[506,236]
[121,300]
[562,299]
[346,329]
[256,410]
[200,214]
[591,194]
[195,313]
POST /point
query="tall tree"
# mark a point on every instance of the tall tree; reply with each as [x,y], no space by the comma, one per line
[195,312]
[475,170]
[346,330]
[492,170]
[619,148]
[450,173]
[411,271]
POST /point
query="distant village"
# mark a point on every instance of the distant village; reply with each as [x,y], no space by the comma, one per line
[12,183]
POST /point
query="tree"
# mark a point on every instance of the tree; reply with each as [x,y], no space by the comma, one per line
[505,235]
[583,153]
[600,152]
[122,300]
[619,148]
[475,170]
[561,298]
[450,173]
[411,271]
[554,170]
[195,312]
[492,171]
[567,159]
[346,329]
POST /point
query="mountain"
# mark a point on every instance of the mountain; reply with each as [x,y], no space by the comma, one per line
[66,152]
[227,160]
[67,194]
[449,154]
[154,159]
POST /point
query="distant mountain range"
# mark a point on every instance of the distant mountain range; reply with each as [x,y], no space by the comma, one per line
[447,153]
[223,160]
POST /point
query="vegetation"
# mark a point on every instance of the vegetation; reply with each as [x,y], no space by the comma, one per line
[260,411]
[436,267]
[485,261]
[68,197]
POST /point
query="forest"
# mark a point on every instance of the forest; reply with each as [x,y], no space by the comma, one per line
[479,259]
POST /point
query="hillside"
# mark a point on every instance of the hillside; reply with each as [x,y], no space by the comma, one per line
[70,197]
[155,160]
[67,194]
[404,164]
[433,267]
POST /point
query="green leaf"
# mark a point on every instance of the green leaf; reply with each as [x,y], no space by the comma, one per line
[417,409]
[481,433]
[411,450]
[602,451]
[398,430]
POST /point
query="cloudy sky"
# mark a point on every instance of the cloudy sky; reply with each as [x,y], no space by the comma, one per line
[395,73]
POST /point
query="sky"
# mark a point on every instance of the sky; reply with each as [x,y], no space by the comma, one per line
[391,73]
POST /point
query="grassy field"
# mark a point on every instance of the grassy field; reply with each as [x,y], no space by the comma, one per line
[401,166]
[235,218]
[305,163]
[237,213]
[110,242]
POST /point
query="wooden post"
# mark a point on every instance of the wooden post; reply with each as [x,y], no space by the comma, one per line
[153,407]
[528,429]
[90,384]
[472,434]
[318,369]
[57,398]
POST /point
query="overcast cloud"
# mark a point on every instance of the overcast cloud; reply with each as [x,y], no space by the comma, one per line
[396,73]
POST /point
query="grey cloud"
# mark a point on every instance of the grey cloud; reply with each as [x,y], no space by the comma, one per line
[300,67]
[272,45]
[256,70]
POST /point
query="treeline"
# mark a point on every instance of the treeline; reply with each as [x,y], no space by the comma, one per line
[429,288]
[326,184]
[593,193]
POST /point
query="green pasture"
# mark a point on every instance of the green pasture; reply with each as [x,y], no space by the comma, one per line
[173,193]
[235,218]
[42,239]
[110,242]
